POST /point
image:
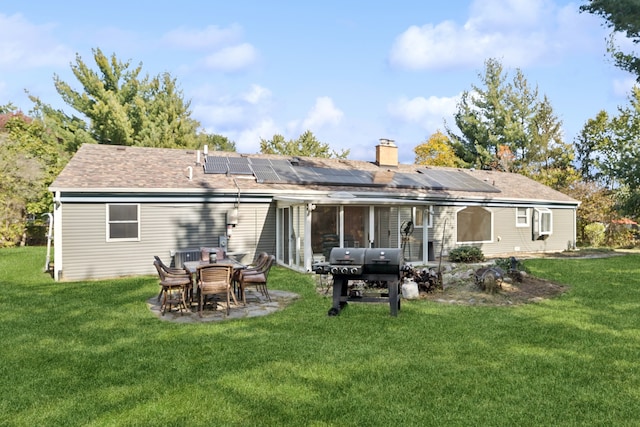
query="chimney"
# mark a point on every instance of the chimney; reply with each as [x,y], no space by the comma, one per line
[387,153]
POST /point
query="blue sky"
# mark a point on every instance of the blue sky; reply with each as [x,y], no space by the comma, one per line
[352,72]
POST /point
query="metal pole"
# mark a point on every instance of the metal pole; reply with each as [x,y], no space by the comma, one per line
[49,234]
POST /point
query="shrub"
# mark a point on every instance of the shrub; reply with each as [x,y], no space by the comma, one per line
[466,254]
[505,264]
[619,236]
[594,233]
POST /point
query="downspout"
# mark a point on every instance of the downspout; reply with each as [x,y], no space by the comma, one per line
[308,252]
[234,214]
[57,237]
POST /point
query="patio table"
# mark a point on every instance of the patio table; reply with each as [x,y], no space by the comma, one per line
[194,266]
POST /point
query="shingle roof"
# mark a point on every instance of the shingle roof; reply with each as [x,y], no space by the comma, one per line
[108,168]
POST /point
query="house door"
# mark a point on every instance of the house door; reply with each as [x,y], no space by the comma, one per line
[386,228]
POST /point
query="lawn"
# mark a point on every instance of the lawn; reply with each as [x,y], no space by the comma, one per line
[91,353]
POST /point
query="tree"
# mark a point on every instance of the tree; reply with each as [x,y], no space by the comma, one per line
[216,142]
[505,126]
[624,156]
[306,145]
[595,151]
[608,149]
[121,107]
[597,205]
[29,161]
[621,16]
[495,115]
[437,151]
[548,159]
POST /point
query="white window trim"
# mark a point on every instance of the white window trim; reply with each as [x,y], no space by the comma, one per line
[108,222]
[540,213]
[414,216]
[527,217]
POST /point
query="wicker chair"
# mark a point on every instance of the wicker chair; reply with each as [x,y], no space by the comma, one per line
[257,265]
[215,279]
[176,272]
[256,277]
[173,289]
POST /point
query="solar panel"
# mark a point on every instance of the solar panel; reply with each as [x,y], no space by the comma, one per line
[281,171]
[260,161]
[215,165]
[239,166]
[405,180]
[456,180]
[265,173]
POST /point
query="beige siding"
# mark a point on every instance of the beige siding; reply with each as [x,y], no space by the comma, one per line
[507,238]
[163,228]
[255,232]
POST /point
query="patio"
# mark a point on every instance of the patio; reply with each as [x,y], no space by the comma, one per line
[257,305]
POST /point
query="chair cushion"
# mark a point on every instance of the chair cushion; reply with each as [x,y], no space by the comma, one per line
[175,282]
[254,278]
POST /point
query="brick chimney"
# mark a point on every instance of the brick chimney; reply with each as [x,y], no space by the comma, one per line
[387,153]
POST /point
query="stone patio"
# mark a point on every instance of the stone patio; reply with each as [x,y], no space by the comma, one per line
[257,305]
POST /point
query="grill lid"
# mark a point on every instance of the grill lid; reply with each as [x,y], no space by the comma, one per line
[383,261]
[347,256]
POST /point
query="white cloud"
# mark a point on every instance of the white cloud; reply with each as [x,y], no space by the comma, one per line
[428,113]
[324,112]
[257,95]
[487,15]
[242,117]
[211,36]
[24,45]
[248,140]
[622,87]
[518,33]
[232,58]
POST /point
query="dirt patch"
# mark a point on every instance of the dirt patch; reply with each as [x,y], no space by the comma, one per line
[460,288]
[529,290]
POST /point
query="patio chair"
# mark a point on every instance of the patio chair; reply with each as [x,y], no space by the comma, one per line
[175,272]
[257,278]
[173,289]
[257,265]
[215,279]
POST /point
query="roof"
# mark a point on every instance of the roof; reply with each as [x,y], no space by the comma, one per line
[118,169]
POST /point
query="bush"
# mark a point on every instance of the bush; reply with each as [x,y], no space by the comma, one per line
[619,236]
[466,254]
[594,234]
[505,264]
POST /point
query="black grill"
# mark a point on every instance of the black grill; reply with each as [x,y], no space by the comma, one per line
[381,265]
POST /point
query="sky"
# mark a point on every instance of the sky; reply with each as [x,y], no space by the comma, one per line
[351,72]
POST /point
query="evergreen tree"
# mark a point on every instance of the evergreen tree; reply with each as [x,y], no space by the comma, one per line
[505,126]
[121,108]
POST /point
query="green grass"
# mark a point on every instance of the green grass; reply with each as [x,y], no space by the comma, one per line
[91,353]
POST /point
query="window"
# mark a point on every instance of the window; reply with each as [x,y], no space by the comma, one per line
[474,224]
[522,217]
[544,222]
[123,223]
[418,217]
[423,217]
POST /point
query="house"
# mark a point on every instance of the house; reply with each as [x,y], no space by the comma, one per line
[116,207]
